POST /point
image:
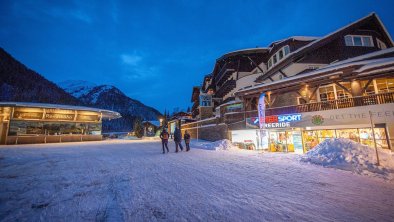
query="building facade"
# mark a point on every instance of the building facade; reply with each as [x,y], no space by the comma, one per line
[23,123]
[339,85]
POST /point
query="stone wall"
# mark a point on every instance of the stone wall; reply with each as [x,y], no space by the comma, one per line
[210,132]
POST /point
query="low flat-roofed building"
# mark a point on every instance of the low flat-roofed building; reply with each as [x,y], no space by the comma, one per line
[24,123]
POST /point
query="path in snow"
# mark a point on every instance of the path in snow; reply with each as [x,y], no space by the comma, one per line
[133,181]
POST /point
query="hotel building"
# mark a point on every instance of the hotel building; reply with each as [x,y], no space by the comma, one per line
[339,85]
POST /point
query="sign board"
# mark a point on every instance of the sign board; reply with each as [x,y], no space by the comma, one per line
[27,115]
[261,110]
[297,141]
[383,113]
[275,121]
[205,100]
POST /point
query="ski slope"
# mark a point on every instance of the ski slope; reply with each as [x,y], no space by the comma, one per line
[132,181]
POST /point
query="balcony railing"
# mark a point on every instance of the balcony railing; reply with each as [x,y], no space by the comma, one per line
[312,107]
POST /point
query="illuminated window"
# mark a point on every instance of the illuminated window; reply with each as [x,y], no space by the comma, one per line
[370,89]
[385,85]
[358,40]
[341,93]
[327,93]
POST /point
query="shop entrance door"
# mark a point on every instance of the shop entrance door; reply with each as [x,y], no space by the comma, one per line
[281,141]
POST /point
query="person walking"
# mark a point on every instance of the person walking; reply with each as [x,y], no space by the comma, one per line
[164,139]
[178,139]
[186,137]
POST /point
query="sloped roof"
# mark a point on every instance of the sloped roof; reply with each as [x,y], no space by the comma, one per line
[360,64]
[325,38]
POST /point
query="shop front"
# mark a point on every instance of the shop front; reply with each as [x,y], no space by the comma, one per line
[301,132]
[46,123]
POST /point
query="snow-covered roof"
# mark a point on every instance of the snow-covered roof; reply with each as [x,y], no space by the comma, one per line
[107,114]
[296,52]
[361,62]
[298,38]
[244,51]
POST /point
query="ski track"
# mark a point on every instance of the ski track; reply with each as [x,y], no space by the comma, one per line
[132,181]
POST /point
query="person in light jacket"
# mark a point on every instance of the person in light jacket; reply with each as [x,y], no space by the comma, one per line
[164,139]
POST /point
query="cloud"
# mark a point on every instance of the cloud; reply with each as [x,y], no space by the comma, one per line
[136,67]
[131,59]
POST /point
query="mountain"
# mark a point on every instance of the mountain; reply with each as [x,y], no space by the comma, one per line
[18,83]
[111,98]
[76,88]
[21,84]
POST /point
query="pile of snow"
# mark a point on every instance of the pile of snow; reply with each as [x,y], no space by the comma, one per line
[217,145]
[348,155]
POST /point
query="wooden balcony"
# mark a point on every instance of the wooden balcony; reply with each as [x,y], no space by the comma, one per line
[226,88]
[312,107]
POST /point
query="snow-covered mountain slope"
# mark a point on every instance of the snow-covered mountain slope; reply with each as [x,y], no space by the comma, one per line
[18,83]
[77,88]
[110,97]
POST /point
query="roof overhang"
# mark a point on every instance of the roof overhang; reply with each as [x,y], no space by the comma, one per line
[106,114]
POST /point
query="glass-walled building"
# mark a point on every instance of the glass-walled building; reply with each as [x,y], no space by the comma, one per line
[22,123]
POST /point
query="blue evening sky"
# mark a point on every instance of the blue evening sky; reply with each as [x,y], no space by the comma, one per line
[155,51]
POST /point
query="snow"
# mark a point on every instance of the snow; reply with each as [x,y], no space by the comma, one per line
[348,155]
[120,180]
[217,145]
[102,89]
[77,88]
[330,68]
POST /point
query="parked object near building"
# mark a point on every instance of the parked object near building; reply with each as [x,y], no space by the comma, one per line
[22,123]
[316,88]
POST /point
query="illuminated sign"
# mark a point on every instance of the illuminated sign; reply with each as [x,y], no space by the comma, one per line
[27,115]
[276,121]
[59,116]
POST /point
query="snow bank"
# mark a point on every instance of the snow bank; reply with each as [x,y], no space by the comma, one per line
[217,145]
[348,155]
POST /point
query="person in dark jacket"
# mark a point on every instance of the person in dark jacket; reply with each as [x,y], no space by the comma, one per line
[178,139]
[186,137]
[164,139]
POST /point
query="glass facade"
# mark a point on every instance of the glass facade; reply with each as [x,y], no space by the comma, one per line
[359,135]
[22,127]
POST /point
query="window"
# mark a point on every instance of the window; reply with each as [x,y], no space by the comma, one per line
[381,44]
[287,50]
[367,41]
[341,93]
[278,56]
[358,40]
[385,85]
[348,40]
[370,90]
[327,93]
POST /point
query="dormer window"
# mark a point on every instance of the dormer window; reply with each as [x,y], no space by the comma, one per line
[358,40]
[278,56]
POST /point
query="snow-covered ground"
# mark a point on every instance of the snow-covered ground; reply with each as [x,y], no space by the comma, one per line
[348,155]
[132,181]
